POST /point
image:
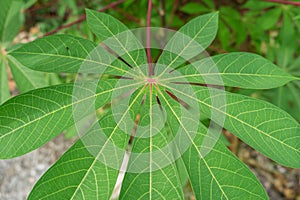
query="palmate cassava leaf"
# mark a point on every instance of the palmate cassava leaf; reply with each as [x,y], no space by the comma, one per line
[153,119]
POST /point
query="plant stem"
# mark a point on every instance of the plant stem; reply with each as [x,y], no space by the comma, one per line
[284,2]
[148,49]
[83,17]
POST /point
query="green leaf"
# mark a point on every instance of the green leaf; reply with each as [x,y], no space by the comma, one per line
[234,20]
[11,20]
[45,113]
[194,8]
[287,98]
[28,3]
[160,184]
[244,70]
[153,120]
[154,180]
[260,124]
[116,35]
[25,78]
[219,174]
[80,173]
[4,95]
[270,18]
[288,33]
[208,163]
[189,41]
[56,53]
[258,5]
[224,35]
[65,53]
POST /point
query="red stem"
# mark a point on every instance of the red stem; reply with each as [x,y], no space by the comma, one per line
[83,17]
[284,2]
[148,49]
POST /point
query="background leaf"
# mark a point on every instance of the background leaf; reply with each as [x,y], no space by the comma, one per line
[4,95]
[11,20]
[26,79]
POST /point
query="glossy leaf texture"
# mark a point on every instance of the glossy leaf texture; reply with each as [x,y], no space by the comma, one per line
[243,70]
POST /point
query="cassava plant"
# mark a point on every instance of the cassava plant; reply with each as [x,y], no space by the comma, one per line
[144,117]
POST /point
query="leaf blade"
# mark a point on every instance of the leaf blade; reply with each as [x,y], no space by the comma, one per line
[78,174]
[116,35]
[189,41]
[37,125]
[219,167]
[204,150]
[68,54]
[244,70]
[277,138]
